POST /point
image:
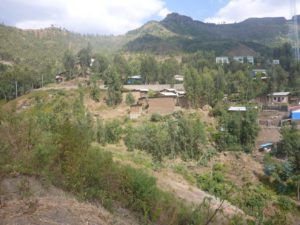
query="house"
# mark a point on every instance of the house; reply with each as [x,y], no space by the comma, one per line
[178,79]
[250,59]
[239,59]
[162,104]
[267,147]
[137,79]
[237,109]
[222,60]
[262,73]
[135,111]
[172,92]
[276,62]
[279,98]
[59,79]
[243,59]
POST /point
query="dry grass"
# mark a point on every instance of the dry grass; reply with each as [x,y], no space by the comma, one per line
[52,206]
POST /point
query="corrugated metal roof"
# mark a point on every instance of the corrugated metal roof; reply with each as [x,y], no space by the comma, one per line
[266,145]
[168,94]
[135,77]
[280,93]
[237,108]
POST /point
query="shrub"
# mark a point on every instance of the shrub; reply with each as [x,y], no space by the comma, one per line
[156,117]
[113,131]
[95,93]
[129,99]
[285,203]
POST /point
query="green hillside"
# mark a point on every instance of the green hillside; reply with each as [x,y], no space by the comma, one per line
[176,33]
[190,35]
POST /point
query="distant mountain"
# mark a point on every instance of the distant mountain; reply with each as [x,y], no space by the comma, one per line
[185,34]
[33,46]
[175,33]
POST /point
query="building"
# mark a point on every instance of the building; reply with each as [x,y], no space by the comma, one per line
[244,59]
[178,79]
[59,79]
[222,60]
[136,111]
[250,59]
[137,79]
[295,115]
[237,109]
[276,62]
[262,73]
[239,59]
[163,105]
[259,71]
[172,92]
[266,147]
[279,98]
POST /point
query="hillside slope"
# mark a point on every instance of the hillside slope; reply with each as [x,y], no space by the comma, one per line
[192,35]
[26,200]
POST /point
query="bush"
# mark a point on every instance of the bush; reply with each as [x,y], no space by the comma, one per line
[285,203]
[179,135]
[129,99]
[113,131]
[156,117]
[95,93]
[215,182]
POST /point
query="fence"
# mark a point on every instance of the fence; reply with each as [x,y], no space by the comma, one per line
[282,108]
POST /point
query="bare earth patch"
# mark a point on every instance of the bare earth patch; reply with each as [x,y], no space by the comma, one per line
[24,200]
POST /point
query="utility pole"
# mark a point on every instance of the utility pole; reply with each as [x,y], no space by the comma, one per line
[295,39]
[16,83]
[42,80]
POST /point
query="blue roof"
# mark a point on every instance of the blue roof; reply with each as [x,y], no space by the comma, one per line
[266,145]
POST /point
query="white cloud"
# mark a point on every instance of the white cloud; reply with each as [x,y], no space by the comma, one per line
[164,12]
[239,10]
[34,24]
[93,16]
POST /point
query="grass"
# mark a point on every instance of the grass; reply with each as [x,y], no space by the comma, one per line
[137,157]
[186,174]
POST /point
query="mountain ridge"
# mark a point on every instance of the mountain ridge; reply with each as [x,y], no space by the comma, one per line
[193,35]
[175,33]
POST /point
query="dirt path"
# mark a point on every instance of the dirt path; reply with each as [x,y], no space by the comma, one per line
[58,87]
[175,184]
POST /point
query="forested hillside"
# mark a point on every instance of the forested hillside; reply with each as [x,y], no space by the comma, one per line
[192,35]
[176,33]
[68,120]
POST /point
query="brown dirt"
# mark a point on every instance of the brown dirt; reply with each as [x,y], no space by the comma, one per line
[240,167]
[24,200]
[175,184]
[268,135]
[169,181]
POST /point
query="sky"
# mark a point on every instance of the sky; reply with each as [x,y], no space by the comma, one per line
[119,16]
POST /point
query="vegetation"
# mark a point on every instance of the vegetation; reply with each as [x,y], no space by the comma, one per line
[130,99]
[53,140]
[56,138]
[237,130]
[176,135]
[286,174]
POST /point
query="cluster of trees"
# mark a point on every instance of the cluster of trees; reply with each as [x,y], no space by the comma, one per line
[16,80]
[286,173]
[176,135]
[237,130]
